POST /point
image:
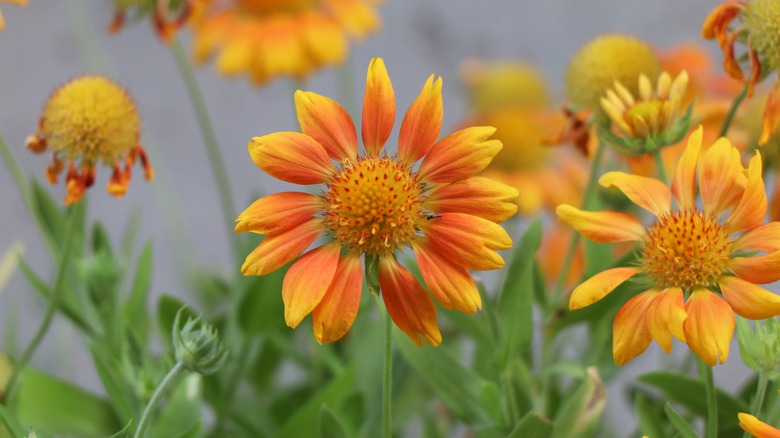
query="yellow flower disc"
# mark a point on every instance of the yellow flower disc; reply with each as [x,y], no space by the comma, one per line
[604,60]
[92,118]
[762,20]
[505,84]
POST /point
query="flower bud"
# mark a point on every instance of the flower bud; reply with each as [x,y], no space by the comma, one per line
[197,345]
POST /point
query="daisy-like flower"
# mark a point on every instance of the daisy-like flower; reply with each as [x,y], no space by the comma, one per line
[702,264]
[759,27]
[266,39]
[16,2]
[375,205]
[89,120]
[168,16]
[756,427]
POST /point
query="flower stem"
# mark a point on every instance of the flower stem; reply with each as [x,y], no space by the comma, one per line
[659,164]
[209,138]
[705,371]
[758,400]
[387,381]
[732,111]
[161,389]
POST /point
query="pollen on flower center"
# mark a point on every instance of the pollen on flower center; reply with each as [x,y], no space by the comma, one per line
[685,249]
[762,19]
[374,204]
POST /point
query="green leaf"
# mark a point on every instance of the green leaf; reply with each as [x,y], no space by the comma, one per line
[124,433]
[100,240]
[119,392]
[17,431]
[131,231]
[49,214]
[167,306]
[532,425]
[261,306]
[330,425]
[516,298]
[490,398]
[649,420]
[679,422]
[457,386]
[134,310]
[181,416]
[581,411]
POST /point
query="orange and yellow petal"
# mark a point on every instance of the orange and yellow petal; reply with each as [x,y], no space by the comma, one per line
[324,39]
[477,196]
[325,121]
[279,212]
[756,427]
[749,300]
[357,16]
[279,249]
[721,178]
[630,335]
[469,241]
[422,123]
[598,286]
[408,304]
[602,226]
[665,317]
[459,155]
[334,315]
[306,282]
[450,284]
[378,107]
[751,208]
[771,119]
[765,237]
[761,269]
[648,193]
[684,183]
[292,157]
[709,326]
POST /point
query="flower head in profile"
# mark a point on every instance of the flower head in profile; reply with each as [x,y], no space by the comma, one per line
[86,121]
[756,427]
[266,39]
[759,29]
[373,206]
[701,264]
[167,16]
[16,2]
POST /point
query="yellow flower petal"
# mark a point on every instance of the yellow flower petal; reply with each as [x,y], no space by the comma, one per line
[665,317]
[749,300]
[422,123]
[756,427]
[459,155]
[630,335]
[648,193]
[598,286]
[684,184]
[709,326]
[378,107]
[602,226]
[325,121]
[306,282]
[334,315]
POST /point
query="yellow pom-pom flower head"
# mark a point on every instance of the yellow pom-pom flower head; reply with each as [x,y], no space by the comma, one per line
[87,121]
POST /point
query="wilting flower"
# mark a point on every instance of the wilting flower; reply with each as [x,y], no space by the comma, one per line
[756,427]
[702,264]
[375,205]
[90,119]
[759,27]
[168,16]
[266,39]
[16,2]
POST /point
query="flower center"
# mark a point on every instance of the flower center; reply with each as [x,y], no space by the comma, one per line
[685,249]
[762,19]
[374,205]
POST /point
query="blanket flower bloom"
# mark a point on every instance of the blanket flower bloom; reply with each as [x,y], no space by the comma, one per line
[756,427]
[702,264]
[267,39]
[375,205]
[90,119]
[16,2]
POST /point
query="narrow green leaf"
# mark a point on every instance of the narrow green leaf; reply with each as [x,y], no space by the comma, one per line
[490,397]
[50,214]
[181,411]
[11,423]
[330,426]
[581,411]
[167,306]
[649,421]
[100,239]
[134,309]
[532,425]
[119,392]
[261,306]
[131,231]
[679,422]
[125,432]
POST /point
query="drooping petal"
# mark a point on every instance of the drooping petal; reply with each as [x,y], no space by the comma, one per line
[324,120]
[751,209]
[757,269]
[771,118]
[422,123]
[602,226]
[459,155]
[684,184]
[450,284]
[277,250]
[665,318]
[648,193]
[378,107]
[277,213]
[630,335]
[408,304]
[749,300]
[333,317]
[291,157]
[306,282]
[756,427]
[709,326]
[764,238]
[469,241]
[721,181]
[598,286]
[477,196]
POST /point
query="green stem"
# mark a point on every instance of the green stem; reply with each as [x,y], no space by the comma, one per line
[758,400]
[659,163]
[732,111]
[209,138]
[705,371]
[387,381]
[161,389]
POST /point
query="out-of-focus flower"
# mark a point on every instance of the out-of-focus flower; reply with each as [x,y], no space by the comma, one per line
[759,27]
[266,39]
[375,205]
[507,84]
[756,427]
[688,256]
[90,119]
[16,2]
[168,16]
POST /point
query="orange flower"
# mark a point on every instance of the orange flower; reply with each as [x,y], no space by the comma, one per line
[375,205]
[274,38]
[701,263]
[16,2]
[167,16]
[757,428]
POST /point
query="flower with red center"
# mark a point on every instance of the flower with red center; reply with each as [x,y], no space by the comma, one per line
[270,38]
[374,205]
[702,263]
[90,119]
[756,427]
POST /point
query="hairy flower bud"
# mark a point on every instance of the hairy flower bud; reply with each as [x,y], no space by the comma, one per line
[197,345]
